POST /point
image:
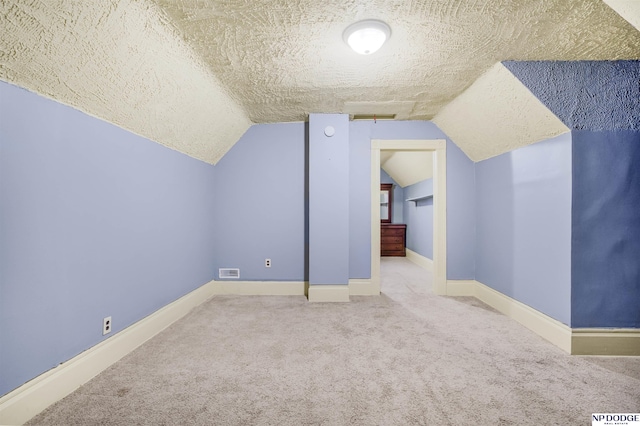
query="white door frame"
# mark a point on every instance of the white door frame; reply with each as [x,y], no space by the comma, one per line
[439,149]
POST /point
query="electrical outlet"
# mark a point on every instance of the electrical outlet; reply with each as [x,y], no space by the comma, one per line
[106,326]
[267,263]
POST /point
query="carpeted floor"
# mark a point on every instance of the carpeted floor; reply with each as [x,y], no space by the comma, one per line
[404,358]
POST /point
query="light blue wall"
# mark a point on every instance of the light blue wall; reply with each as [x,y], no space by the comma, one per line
[94,222]
[283,144]
[461,214]
[418,215]
[328,200]
[359,200]
[397,206]
[260,189]
[606,229]
[523,241]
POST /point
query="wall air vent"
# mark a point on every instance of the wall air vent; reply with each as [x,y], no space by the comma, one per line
[373,117]
[229,273]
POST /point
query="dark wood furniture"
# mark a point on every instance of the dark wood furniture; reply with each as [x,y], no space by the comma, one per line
[393,238]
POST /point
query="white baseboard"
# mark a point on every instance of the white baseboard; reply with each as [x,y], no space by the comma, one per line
[419,260]
[357,287]
[461,287]
[546,327]
[603,341]
[363,287]
[21,404]
[593,341]
[328,293]
[260,288]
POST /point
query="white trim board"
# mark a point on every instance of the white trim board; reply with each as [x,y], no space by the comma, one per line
[605,341]
[363,287]
[461,288]
[328,293]
[546,327]
[419,259]
[439,149]
[599,341]
[357,287]
[21,404]
[260,288]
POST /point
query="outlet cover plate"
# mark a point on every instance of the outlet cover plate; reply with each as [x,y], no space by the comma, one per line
[106,326]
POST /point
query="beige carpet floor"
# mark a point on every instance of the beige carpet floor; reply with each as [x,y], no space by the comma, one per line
[404,358]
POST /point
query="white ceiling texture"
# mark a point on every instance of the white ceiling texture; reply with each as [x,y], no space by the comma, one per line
[195,74]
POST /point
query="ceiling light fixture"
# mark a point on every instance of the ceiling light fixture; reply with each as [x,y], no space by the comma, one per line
[366,37]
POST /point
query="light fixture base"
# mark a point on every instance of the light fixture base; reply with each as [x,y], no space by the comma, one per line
[367,36]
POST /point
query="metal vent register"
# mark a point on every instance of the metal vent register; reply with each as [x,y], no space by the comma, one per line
[228,273]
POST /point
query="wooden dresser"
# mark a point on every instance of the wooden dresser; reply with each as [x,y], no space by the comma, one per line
[393,238]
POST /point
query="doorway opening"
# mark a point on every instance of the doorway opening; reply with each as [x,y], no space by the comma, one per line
[438,149]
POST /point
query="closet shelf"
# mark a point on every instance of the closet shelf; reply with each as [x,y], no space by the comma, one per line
[422,197]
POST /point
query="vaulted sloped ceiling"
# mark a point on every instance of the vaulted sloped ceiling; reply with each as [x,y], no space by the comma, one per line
[194,74]
[123,62]
[406,167]
[628,9]
[286,58]
[495,115]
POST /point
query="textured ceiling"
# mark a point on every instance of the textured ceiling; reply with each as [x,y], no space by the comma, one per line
[282,59]
[194,74]
[497,114]
[407,167]
[117,60]
[585,95]
[628,9]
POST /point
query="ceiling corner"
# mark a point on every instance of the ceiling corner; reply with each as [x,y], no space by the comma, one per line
[628,9]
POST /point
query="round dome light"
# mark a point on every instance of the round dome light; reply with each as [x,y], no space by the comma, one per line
[366,37]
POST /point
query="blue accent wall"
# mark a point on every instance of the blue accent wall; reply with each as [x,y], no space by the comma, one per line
[523,241]
[94,222]
[585,95]
[418,215]
[397,206]
[260,188]
[606,229]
